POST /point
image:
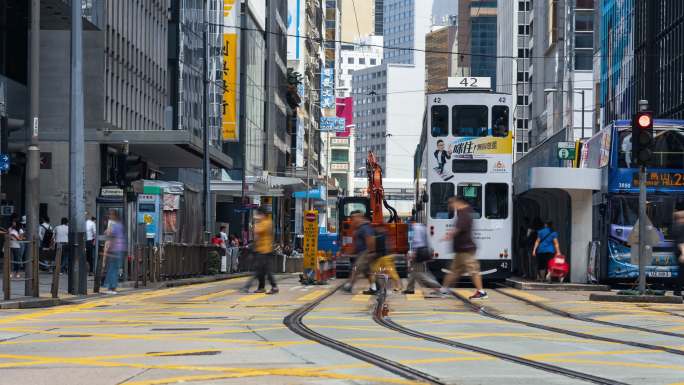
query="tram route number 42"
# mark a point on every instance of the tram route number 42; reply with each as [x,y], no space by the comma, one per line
[469,82]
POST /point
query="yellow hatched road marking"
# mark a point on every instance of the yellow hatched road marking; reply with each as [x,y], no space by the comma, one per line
[312,295]
[252,297]
[207,297]
[525,295]
[360,298]
[418,296]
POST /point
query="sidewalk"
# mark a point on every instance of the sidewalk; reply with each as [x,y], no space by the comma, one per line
[19,301]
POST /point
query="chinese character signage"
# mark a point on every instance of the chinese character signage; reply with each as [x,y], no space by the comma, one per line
[229,126]
[345,110]
[332,124]
[310,238]
[328,88]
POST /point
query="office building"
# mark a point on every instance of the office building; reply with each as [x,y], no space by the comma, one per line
[440,63]
[357,19]
[477,38]
[363,53]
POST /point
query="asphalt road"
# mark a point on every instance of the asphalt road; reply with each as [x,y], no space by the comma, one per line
[212,334]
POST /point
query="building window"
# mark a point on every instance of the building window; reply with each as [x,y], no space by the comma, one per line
[362,60]
[523,30]
[350,60]
[373,61]
[523,52]
[523,100]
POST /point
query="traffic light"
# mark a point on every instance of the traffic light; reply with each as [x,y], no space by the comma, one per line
[131,168]
[642,138]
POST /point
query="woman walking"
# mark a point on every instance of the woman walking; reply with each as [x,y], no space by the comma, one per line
[15,248]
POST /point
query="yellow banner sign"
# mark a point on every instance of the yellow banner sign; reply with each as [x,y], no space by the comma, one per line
[310,238]
[229,126]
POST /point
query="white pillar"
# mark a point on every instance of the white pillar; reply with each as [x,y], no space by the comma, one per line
[581,212]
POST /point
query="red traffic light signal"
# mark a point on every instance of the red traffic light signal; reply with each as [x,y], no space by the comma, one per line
[642,137]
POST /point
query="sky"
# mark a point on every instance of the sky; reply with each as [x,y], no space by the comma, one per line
[441,8]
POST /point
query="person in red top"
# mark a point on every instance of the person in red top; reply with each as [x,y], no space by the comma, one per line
[464,249]
[216,240]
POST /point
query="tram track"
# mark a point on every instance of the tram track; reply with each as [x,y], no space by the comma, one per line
[389,324]
[295,323]
[563,313]
[481,309]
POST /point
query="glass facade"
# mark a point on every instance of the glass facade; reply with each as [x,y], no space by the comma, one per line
[190,103]
[483,46]
[255,97]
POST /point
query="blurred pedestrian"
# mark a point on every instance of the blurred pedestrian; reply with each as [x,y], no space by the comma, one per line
[420,254]
[62,243]
[464,249]
[91,238]
[364,249]
[115,250]
[384,262]
[679,249]
[545,247]
[263,253]
[15,248]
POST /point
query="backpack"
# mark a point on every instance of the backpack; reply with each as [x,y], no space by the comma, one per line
[48,237]
[380,244]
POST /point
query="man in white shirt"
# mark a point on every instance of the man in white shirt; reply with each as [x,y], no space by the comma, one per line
[91,236]
[62,243]
[224,246]
[420,254]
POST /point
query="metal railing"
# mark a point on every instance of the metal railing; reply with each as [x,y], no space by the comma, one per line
[28,261]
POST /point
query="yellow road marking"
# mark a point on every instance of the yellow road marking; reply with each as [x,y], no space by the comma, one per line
[312,295]
[360,298]
[417,296]
[525,295]
[280,372]
[618,363]
[207,297]
[251,297]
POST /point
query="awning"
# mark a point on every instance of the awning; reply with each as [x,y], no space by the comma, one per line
[281,181]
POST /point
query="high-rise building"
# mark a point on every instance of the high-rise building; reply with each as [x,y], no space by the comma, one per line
[440,63]
[379,17]
[625,77]
[477,38]
[389,99]
[361,54]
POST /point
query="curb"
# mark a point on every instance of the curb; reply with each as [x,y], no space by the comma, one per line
[636,298]
[526,285]
[38,303]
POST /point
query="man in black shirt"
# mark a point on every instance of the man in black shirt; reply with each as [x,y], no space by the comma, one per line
[464,249]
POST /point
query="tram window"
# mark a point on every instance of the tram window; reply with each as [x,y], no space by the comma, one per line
[500,121]
[496,201]
[439,200]
[469,166]
[472,193]
[440,120]
[469,120]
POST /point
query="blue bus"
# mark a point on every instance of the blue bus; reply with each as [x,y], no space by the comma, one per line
[616,208]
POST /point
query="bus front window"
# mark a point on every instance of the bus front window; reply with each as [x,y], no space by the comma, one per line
[469,121]
[440,120]
[439,200]
[500,121]
[668,149]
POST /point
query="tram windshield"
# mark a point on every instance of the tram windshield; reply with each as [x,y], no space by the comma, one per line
[669,149]
[625,211]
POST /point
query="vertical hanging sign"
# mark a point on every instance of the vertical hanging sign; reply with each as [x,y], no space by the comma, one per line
[229,127]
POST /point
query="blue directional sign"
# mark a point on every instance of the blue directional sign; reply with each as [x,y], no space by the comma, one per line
[4,162]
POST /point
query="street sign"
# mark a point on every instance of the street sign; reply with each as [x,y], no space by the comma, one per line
[310,238]
[4,162]
[567,151]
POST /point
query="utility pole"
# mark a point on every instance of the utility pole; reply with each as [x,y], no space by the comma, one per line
[77,271]
[33,150]
[242,124]
[207,156]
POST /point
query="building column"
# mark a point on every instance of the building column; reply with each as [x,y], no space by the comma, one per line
[581,233]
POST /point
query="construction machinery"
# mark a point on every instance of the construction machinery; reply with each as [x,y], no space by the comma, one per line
[371,206]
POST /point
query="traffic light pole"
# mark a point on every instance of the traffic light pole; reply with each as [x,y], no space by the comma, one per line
[643,255]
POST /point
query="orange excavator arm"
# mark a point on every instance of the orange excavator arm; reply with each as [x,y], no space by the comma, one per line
[376,192]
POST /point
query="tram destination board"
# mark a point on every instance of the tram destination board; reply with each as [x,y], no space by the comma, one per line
[661,179]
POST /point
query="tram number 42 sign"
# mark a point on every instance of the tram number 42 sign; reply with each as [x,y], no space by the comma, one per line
[566,151]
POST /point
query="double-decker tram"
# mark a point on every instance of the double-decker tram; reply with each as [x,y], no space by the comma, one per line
[466,150]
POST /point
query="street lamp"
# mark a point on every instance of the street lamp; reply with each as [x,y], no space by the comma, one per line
[549,90]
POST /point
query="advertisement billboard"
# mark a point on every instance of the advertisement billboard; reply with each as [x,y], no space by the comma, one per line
[345,110]
[295,29]
[229,124]
[328,88]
